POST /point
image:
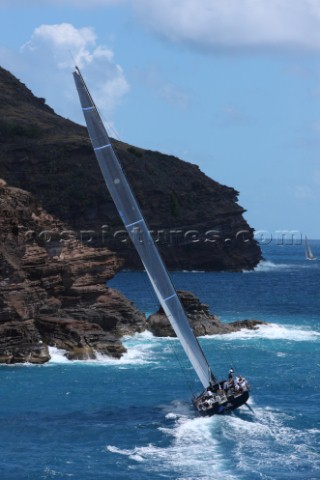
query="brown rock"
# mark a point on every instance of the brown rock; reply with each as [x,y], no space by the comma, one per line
[53,288]
[197,221]
[81,339]
[21,342]
[201,320]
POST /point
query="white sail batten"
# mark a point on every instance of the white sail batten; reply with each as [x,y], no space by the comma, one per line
[138,231]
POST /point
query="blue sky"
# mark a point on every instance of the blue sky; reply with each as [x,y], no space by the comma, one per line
[233,86]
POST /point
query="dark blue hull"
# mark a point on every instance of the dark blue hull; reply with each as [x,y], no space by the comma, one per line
[232,402]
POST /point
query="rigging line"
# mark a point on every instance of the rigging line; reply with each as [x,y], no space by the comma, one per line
[108,125]
[114,134]
[233,365]
[143,218]
[250,408]
[110,128]
[227,357]
[170,280]
[149,289]
[182,367]
[167,277]
[171,340]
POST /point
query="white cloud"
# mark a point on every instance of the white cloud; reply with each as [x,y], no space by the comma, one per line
[168,91]
[316,126]
[235,24]
[61,40]
[10,60]
[174,95]
[316,178]
[219,25]
[62,3]
[232,116]
[52,53]
[303,192]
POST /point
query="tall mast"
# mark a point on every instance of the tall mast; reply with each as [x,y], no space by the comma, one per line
[138,231]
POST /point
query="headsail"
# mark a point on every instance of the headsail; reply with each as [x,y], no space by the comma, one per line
[139,233]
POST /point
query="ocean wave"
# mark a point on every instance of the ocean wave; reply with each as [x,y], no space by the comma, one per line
[141,337]
[58,355]
[138,355]
[272,331]
[193,271]
[202,445]
[278,447]
[192,453]
[268,266]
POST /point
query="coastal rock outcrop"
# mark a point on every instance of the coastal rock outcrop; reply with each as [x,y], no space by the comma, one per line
[196,221]
[53,291]
[57,254]
[53,288]
[202,321]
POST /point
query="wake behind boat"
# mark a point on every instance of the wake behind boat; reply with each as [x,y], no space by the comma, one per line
[218,397]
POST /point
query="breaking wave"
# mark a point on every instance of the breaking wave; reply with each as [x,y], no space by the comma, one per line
[268,266]
[217,447]
[274,445]
[192,453]
[273,332]
[139,352]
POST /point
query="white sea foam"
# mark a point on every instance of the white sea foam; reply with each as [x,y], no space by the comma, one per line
[193,452]
[272,331]
[268,266]
[51,473]
[171,416]
[139,352]
[197,446]
[57,355]
[274,446]
[145,336]
[193,271]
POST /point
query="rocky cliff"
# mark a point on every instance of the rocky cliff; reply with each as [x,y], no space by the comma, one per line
[197,222]
[52,288]
[53,291]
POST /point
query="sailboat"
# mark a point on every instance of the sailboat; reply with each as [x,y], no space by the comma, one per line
[217,397]
[308,252]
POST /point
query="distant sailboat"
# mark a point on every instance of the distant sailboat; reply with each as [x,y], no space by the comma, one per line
[308,252]
[218,397]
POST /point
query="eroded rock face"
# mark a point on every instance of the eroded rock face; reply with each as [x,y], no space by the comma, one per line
[21,342]
[197,222]
[201,320]
[53,291]
[52,288]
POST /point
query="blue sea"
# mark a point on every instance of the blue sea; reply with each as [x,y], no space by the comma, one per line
[133,418]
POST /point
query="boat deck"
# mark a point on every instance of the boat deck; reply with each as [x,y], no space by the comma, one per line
[219,401]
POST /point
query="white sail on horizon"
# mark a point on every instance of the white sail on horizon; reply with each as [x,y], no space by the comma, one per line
[308,252]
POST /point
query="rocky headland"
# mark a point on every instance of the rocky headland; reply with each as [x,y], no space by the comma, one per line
[53,291]
[201,320]
[62,242]
[196,221]
[53,288]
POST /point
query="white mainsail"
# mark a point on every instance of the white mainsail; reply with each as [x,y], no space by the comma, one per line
[308,251]
[138,231]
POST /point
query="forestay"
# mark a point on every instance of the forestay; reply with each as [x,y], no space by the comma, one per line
[139,233]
